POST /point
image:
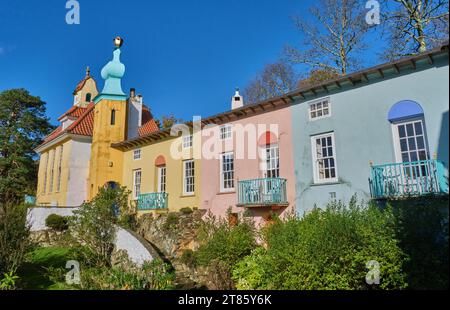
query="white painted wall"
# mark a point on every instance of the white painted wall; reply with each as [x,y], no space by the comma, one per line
[78,173]
[36,216]
[134,117]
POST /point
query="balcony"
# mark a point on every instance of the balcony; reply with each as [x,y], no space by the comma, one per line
[406,179]
[262,192]
[152,201]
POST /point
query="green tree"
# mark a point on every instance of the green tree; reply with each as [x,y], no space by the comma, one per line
[167,121]
[23,125]
[93,224]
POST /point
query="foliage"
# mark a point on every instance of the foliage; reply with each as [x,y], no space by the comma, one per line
[94,223]
[186,210]
[14,237]
[23,125]
[422,228]
[223,246]
[326,249]
[171,222]
[8,282]
[334,38]
[154,275]
[317,76]
[188,258]
[57,222]
[167,121]
[275,80]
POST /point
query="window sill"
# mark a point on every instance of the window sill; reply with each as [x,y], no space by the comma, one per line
[226,192]
[187,195]
[327,183]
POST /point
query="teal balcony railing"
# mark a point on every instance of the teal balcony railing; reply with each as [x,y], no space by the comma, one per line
[408,179]
[152,201]
[262,192]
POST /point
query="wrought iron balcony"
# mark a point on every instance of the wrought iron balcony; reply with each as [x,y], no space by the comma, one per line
[152,201]
[262,192]
[408,179]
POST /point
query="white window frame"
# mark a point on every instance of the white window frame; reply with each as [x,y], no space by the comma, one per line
[396,137]
[269,160]
[317,180]
[186,192]
[137,154]
[314,103]
[224,189]
[137,185]
[162,179]
[187,141]
[226,132]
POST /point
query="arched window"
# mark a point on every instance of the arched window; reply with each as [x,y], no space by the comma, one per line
[271,155]
[88,97]
[113,117]
[409,132]
[160,164]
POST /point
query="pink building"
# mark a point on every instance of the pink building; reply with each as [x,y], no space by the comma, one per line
[247,160]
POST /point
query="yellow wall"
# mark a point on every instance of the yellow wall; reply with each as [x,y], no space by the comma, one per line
[89,87]
[174,174]
[106,162]
[54,195]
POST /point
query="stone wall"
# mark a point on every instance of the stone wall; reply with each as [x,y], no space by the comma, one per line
[172,234]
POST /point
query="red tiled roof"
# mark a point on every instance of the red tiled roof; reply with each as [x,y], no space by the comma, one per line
[84,123]
[82,126]
[148,122]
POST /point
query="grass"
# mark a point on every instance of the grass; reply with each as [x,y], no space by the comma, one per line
[38,272]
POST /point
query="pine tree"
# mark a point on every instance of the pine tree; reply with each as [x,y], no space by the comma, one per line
[23,125]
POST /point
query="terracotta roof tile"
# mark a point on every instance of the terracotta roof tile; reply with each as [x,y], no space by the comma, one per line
[148,122]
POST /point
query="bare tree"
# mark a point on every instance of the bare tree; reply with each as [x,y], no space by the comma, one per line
[275,79]
[335,37]
[414,26]
[317,76]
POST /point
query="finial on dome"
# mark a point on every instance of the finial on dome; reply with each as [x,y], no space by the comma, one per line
[88,71]
[118,41]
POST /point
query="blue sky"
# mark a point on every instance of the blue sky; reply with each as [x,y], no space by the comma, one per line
[184,56]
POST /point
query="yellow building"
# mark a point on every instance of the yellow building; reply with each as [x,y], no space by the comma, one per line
[161,179]
[65,153]
[77,158]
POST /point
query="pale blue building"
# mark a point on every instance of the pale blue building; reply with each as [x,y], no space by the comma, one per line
[378,133]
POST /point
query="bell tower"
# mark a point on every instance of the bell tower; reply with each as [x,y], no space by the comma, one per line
[110,126]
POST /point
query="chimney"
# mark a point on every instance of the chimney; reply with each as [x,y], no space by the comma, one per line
[135,104]
[237,101]
[132,92]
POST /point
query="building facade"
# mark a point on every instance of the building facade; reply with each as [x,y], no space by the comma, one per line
[379,133]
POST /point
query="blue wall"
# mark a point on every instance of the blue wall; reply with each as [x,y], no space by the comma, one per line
[359,120]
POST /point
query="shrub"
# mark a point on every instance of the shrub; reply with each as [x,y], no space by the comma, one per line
[186,210]
[94,224]
[8,282]
[57,222]
[422,228]
[14,237]
[154,275]
[223,246]
[171,222]
[188,258]
[326,249]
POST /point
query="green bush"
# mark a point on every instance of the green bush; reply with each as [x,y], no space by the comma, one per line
[57,222]
[223,246]
[422,228]
[155,275]
[326,249]
[188,258]
[171,222]
[93,224]
[14,237]
[186,210]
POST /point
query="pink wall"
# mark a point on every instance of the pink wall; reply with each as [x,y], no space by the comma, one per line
[217,202]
